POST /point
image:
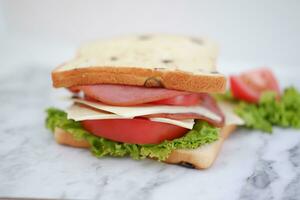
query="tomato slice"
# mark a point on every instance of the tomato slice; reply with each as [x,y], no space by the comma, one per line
[250,85]
[134,131]
[181,100]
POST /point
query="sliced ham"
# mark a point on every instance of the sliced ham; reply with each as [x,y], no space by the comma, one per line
[207,101]
[124,95]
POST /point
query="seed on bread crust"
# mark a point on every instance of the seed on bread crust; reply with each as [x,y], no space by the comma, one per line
[187,165]
[113,58]
[144,37]
[197,41]
[153,82]
[166,61]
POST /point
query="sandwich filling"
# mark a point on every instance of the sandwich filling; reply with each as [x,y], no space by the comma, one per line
[143,115]
[120,120]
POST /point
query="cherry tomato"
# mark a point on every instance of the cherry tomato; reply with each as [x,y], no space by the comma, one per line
[250,85]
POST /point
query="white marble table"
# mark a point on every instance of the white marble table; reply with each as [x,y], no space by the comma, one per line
[252,165]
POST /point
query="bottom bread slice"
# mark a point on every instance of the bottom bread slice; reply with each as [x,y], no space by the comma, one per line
[204,156]
[200,158]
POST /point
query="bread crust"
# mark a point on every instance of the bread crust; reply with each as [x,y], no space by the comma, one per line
[200,158]
[177,80]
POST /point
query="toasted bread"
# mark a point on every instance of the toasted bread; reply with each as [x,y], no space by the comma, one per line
[173,62]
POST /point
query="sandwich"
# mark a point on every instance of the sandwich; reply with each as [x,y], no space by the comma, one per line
[146,96]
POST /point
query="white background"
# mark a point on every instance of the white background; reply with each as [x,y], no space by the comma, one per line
[259,32]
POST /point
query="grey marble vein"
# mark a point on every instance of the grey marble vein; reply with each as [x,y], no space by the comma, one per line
[292,190]
[294,156]
[258,184]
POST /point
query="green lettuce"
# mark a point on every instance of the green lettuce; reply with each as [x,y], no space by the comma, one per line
[202,133]
[227,96]
[269,111]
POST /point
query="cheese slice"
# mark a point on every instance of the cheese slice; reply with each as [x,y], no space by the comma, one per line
[230,117]
[79,113]
[133,111]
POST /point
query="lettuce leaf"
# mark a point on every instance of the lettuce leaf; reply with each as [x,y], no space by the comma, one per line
[227,96]
[202,133]
[269,111]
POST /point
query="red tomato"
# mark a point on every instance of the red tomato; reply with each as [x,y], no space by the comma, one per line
[250,85]
[134,131]
[181,100]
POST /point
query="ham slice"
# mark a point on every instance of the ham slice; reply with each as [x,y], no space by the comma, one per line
[207,101]
[182,116]
[124,95]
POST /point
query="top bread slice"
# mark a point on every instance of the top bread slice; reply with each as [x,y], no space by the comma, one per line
[173,62]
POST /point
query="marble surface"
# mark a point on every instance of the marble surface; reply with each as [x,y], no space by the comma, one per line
[251,165]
